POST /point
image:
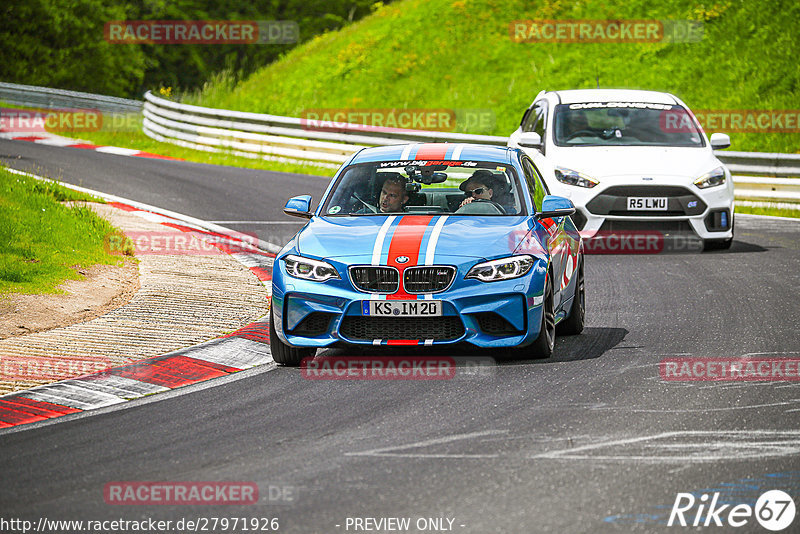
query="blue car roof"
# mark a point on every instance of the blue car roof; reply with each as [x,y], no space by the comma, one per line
[434,151]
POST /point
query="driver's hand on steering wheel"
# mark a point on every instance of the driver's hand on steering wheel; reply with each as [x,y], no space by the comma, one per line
[466,201]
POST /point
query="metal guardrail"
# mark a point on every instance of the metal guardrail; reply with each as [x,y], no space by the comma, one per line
[277,137]
[44,97]
[761,163]
[757,175]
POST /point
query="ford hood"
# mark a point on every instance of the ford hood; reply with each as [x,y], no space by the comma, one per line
[604,162]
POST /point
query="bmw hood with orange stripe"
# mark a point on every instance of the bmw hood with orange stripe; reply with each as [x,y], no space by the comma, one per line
[422,239]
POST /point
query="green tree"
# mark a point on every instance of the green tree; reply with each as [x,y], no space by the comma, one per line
[59,43]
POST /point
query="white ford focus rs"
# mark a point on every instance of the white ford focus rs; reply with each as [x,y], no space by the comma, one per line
[630,161]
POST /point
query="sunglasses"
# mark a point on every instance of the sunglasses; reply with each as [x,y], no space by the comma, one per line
[476,191]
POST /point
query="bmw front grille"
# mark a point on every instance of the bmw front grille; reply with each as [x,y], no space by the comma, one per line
[428,279]
[420,279]
[372,279]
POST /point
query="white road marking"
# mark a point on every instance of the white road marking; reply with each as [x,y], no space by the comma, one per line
[693,410]
[729,445]
[253,260]
[258,222]
[238,352]
[385,451]
[119,151]
[120,386]
[72,395]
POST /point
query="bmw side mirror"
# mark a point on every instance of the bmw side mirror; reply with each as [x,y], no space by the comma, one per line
[554,206]
[299,207]
[530,140]
[720,141]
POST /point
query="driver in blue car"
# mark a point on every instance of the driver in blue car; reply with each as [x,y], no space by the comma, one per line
[393,195]
[392,199]
[477,186]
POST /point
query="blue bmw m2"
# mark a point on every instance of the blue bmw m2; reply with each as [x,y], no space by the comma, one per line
[426,245]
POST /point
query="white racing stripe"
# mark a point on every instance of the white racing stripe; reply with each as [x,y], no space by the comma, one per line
[407,151]
[434,239]
[378,248]
[457,151]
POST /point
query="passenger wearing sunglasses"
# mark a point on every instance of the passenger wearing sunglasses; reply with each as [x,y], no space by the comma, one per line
[477,187]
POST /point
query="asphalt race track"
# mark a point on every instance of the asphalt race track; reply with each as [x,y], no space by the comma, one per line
[592,440]
[208,192]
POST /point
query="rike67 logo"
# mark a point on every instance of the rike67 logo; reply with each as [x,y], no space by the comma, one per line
[774,510]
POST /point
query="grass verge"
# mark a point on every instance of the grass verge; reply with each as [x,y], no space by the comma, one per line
[42,241]
[459,55]
[775,212]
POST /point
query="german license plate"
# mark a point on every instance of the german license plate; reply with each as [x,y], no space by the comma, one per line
[647,203]
[402,308]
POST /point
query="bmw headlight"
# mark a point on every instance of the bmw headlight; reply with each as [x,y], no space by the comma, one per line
[711,179]
[502,269]
[308,269]
[570,177]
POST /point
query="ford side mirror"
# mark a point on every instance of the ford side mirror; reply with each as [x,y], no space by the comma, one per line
[554,206]
[530,140]
[299,207]
[720,141]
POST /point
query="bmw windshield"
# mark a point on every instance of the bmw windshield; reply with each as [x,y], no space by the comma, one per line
[426,187]
[625,124]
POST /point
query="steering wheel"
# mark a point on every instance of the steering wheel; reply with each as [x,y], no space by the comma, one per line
[579,133]
[611,132]
[500,208]
[373,209]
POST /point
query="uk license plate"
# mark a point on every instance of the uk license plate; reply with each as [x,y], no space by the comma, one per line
[402,308]
[647,203]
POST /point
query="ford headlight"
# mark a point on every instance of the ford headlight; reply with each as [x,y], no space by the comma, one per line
[308,269]
[570,177]
[711,179]
[502,269]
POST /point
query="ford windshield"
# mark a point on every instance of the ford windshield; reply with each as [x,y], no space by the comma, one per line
[625,124]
